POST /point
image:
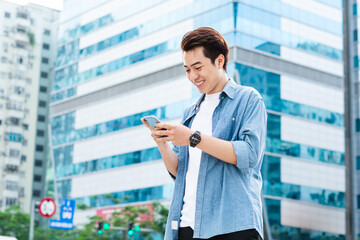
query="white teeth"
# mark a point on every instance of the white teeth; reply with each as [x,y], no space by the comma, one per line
[199,83]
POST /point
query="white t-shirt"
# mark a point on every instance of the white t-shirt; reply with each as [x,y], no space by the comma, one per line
[203,123]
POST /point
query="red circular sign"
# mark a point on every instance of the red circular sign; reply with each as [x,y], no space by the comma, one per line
[47,207]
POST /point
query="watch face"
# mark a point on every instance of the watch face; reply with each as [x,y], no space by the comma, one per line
[195,139]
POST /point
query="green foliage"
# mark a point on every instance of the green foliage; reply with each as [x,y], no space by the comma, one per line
[108,195]
[15,223]
[31,38]
[160,217]
[81,206]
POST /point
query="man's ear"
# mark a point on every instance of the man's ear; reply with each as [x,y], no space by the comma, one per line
[220,60]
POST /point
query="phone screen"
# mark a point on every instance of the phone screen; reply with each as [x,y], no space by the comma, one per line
[152,120]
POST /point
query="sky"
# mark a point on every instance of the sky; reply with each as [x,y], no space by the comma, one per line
[56,4]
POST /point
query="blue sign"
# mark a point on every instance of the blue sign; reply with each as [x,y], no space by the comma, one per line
[66,216]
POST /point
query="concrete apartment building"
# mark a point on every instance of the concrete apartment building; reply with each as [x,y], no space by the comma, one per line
[28,36]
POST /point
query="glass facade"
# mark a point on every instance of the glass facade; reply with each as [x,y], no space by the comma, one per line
[278,231]
[257,26]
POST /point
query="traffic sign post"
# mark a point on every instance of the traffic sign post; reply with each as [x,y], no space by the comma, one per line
[67,210]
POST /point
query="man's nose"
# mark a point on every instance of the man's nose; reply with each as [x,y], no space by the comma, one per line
[193,75]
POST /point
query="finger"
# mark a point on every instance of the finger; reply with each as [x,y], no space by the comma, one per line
[164,125]
[167,139]
[146,124]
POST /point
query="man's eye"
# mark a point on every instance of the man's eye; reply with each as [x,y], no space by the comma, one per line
[198,68]
[187,70]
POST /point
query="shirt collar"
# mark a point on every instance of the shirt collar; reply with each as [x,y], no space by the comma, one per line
[229,90]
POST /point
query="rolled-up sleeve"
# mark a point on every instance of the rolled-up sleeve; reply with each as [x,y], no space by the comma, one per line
[252,135]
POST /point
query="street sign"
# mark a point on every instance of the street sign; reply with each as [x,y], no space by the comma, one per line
[47,207]
[66,216]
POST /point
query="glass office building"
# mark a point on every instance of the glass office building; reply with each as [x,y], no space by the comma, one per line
[118,61]
[352,116]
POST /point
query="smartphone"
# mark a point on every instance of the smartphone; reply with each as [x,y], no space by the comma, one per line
[152,120]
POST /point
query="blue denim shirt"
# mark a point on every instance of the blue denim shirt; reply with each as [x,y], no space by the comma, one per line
[228,196]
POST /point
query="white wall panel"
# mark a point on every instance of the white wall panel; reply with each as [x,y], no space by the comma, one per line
[313,174]
[135,45]
[312,61]
[317,8]
[129,177]
[311,216]
[131,22]
[312,94]
[131,72]
[311,33]
[127,140]
[102,10]
[313,134]
[139,100]
[82,216]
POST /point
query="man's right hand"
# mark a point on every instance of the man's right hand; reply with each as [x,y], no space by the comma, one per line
[156,138]
[170,159]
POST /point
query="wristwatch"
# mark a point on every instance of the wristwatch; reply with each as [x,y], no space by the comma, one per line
[195,139]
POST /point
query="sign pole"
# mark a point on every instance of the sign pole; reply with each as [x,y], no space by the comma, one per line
[32,213]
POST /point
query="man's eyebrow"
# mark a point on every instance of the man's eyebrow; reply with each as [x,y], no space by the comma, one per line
[193,64]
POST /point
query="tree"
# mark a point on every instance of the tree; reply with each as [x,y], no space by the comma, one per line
[151,216]
[13,222]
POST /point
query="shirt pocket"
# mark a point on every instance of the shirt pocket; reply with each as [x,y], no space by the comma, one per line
[225,128]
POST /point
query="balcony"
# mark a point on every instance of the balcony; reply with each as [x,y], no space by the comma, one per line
[14,162]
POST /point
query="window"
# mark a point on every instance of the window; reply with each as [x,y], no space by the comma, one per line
[42,103]
[3,75]
[47,32]
[356,62]
[4,59]
[358,201]
[45,60]
[357,162]
[20,45]
[40,133]
[23,158]
[39,148]
[19,90]
[14,153]
[21,30]
[38,163]
[7,15]
[37,178]
[46,46]
[21,15]
[13,121]
[25,126]
[0,122]
[11,185]
[19,60]
[43,89]
[355,35]
[36,193]
[357,125]
[10,201]
[41,118]
[44,74]
[354,9]
[6,47]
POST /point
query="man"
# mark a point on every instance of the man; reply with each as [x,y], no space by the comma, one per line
[218,149]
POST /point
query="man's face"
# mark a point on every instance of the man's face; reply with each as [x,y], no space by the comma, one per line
[201,72]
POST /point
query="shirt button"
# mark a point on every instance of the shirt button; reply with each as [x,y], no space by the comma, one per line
[233,119]
[222,97]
